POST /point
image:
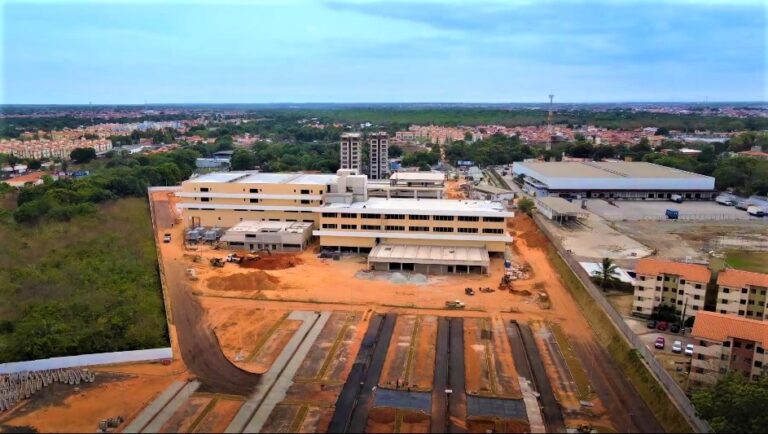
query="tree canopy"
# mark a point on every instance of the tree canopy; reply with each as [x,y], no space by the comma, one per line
[734,405]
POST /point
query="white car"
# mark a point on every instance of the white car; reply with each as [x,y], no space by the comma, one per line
[689,350]
[677,347]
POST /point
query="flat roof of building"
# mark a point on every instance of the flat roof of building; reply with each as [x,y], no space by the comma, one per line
[256,177]
[560,205]
[492,189]
[420,254]
[721,327]
[414,206]
[357,135]
[269,226]
[418,176]
[593,169]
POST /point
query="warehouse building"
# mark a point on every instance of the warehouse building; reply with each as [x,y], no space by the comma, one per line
[612,180]
[272,236]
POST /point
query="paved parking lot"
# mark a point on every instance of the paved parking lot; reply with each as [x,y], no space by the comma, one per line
[649,336]
[655,210]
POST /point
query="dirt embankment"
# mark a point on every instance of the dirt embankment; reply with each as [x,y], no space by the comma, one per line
[274,261]
[251,281]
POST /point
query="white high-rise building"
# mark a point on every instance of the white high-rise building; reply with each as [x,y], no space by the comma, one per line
[379,155]
[350,150]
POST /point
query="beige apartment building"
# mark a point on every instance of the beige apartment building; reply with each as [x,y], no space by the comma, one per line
[459,233]
[350,150]
[742,293]
[378,153]
[726,343]
[667,283]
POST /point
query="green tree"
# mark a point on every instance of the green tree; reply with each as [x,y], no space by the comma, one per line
[734,405]
[526,205]
[243,159]
[607,273]
[395,151]
[82,155]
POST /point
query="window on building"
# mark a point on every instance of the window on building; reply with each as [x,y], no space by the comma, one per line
[463,218]
[727,344]
[736,344]
[680,292]
[442,229]
[371,216]
[749,313]
[751,302]
[204,189]
[349,216]
[371,227]
[205,199]
[682,281]
[254,190]
[349,227]
[659,278]
[697,297]
[418,217]
[468,230]
[305,202]
[698,286]
[759,350]
[418,228]
[493,231]
[305,192]
[744,290]
[695,307]
[726,291]
[749,345]
[742,301]
[493,219]
[329,226]
[741,312]
[443,218]
[395,228]
[724,301]
[254,200]
[394,216]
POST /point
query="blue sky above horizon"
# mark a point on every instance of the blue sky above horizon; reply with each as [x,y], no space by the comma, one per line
[383,51]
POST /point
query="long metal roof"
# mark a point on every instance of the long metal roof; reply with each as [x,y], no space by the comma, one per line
[420,254]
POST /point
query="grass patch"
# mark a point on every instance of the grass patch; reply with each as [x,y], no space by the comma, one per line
[88,285]
[748,261]
[578,374]
[628,359]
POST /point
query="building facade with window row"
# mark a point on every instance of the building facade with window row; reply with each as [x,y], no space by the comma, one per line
[676,285]
[742,293]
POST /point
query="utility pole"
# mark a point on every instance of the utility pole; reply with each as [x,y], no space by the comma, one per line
[550,131]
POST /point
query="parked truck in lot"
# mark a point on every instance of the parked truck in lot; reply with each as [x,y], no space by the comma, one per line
[676,198]
[672,214]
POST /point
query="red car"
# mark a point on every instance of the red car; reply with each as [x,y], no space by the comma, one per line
[659,343]
[663,325]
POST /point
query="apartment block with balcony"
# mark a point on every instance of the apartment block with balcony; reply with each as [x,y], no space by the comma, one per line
[742,293]
[726,343]
[667,283]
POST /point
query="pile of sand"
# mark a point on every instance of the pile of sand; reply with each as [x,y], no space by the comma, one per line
[252,281]
[273,262]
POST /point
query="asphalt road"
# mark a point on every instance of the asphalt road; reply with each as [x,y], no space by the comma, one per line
[553,414]
[199,347]
[439,401]
[457,402]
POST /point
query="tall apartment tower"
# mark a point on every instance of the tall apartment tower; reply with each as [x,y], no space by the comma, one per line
[350,150]
[379,155]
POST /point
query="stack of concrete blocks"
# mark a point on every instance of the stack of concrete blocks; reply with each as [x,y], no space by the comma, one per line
[22,385]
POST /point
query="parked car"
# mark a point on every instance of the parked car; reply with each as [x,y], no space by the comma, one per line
[652,324]
[674,328]
[689,350]
[663,325]
[659,343]
[167,238]
[677,347]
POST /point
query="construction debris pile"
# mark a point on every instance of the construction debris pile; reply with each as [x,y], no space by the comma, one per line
[22,385]
[516,271]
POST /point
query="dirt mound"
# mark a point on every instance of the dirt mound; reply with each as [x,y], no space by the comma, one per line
[252,281]
[526,228]
[274,262]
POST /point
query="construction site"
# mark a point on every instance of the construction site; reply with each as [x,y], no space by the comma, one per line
[296,342]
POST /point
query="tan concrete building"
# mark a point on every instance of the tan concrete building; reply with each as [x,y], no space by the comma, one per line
[416,185]
[727,343]
[742,293]
[666,283]
[346,219]
[378,154]
[350,150]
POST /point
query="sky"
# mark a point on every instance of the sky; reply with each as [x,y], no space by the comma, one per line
[132,52]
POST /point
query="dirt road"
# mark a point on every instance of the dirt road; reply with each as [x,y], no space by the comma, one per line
[198,344]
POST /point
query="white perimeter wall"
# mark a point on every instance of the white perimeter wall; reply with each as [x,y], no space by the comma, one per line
[88,360]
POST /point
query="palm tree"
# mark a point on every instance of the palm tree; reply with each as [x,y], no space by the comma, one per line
[606,273]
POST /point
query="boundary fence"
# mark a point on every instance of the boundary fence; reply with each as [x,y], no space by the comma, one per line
[667,382]
[149,355]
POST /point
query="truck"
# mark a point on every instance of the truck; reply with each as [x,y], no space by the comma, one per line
[454,304]
[676,198]
[672,214]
